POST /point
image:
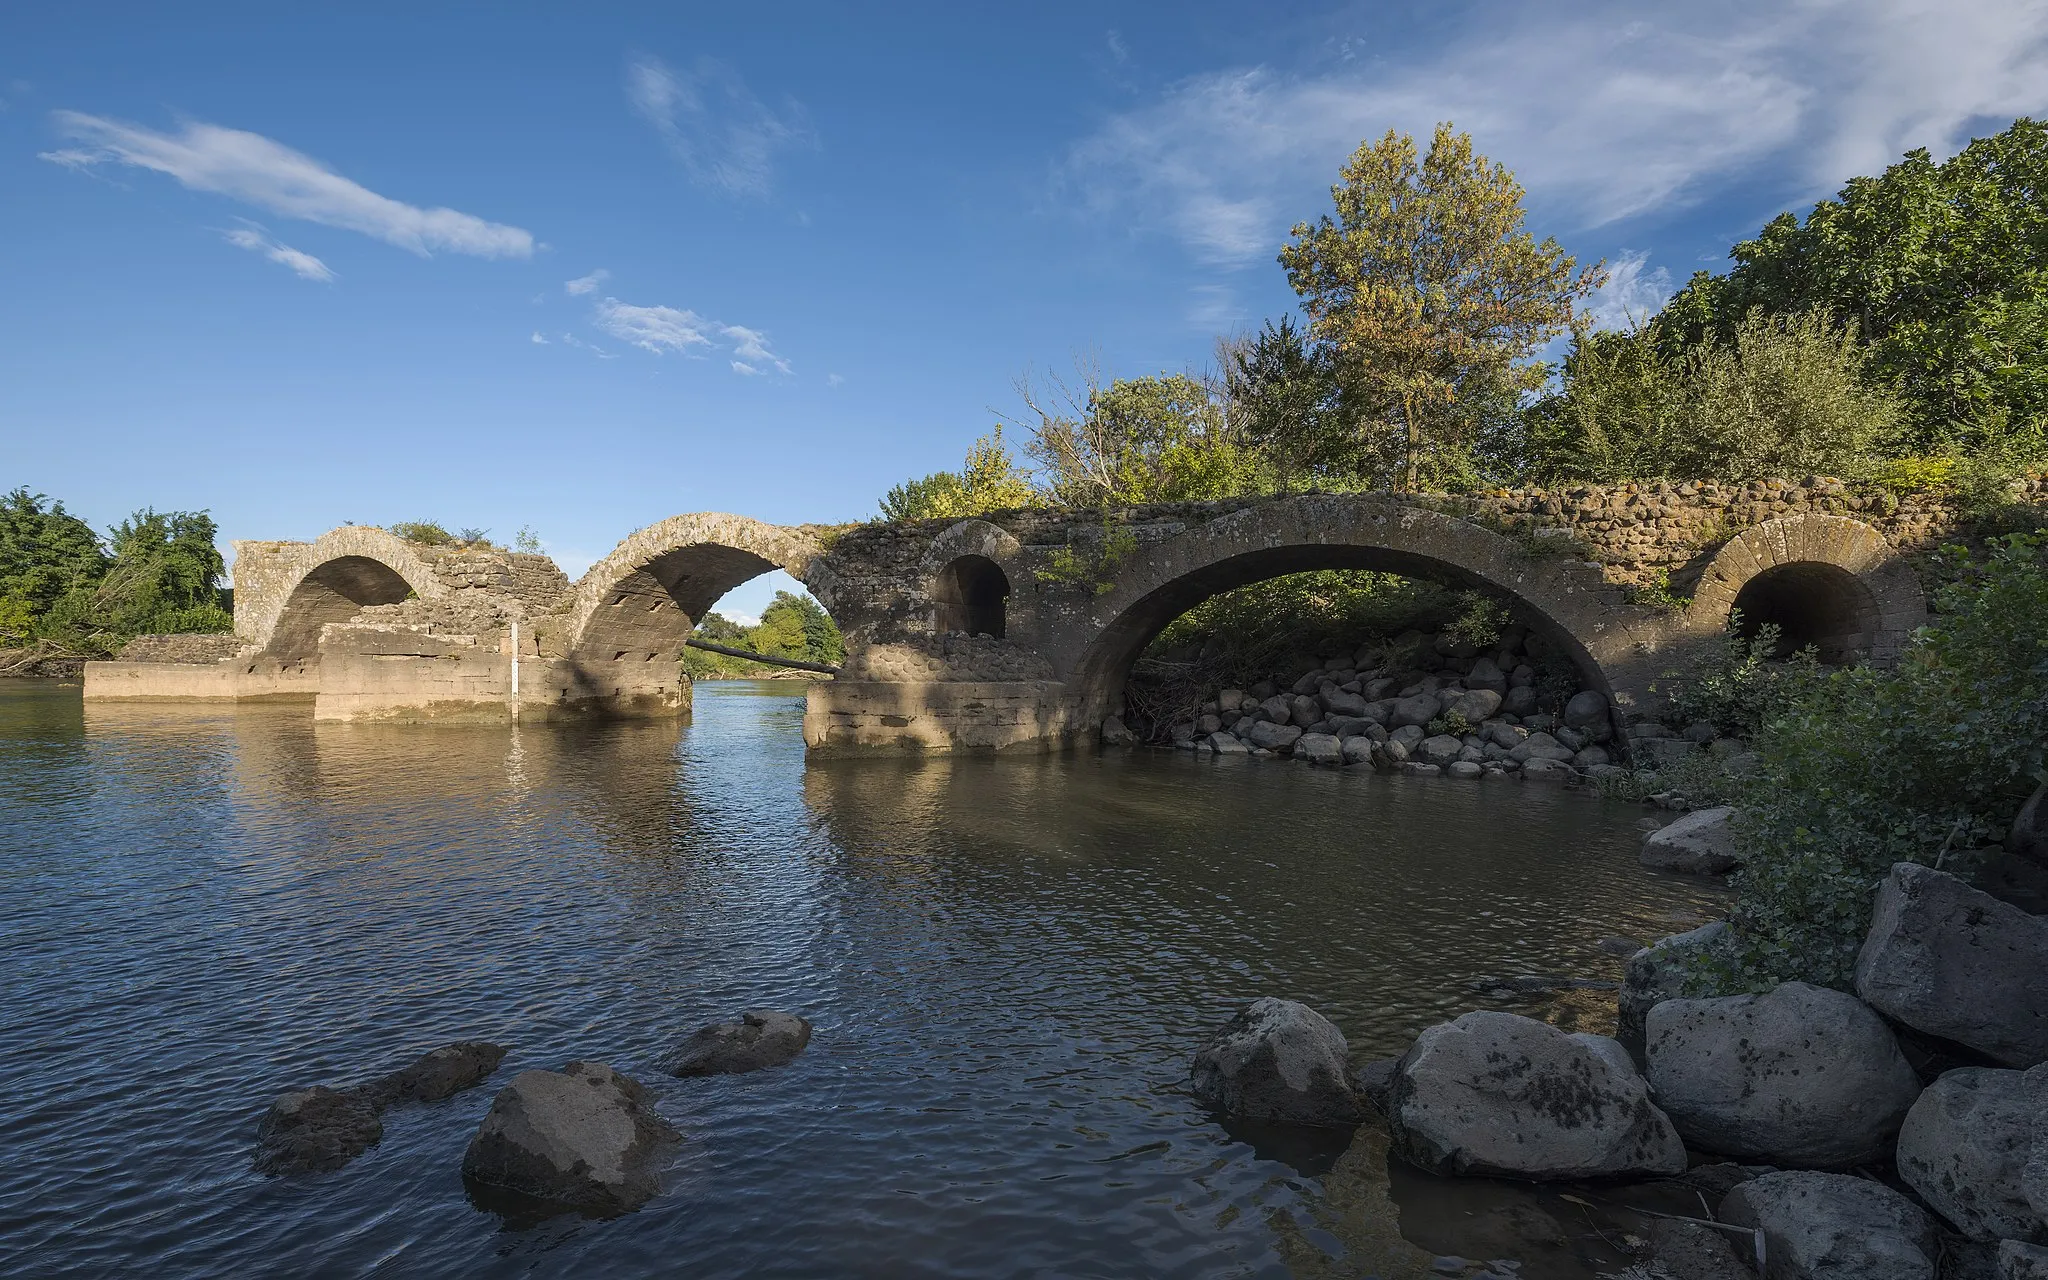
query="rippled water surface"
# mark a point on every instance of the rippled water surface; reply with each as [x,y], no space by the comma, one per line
[1008,962]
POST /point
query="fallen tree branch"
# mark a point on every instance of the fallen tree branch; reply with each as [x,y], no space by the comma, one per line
[709,647]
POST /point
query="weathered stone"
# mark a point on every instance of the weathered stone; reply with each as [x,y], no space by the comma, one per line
[1279,709]
[1952,961]
[1499,1094]
[1117,734]
[761,1038]
[1277,1060]
[1964,1148]
[1486,674]
[583,1139]
[1345,704]
[1591,758]
[1831,1226]
[1306,711]
[1358,750]
[1539,746]
[1440,750]
[1546,770]
[1410,736]
[317,1129]
[1422,769]
[1474,705]
[1419,709]
[2018,1260]
[444,1072]
[1224,744]
[1273,737]
[1466,769]
[1800,1076]
[1685,1250]
[1700,843]
[1230,700]
[1319,748]
[1586,708]
[1520,700]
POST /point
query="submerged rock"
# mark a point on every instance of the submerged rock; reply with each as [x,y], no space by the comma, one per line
[1964,1148]
[1277,1060]
[1503,1095]
[1955,962]
[761,1038]
[318,1129]
[446,1071]
[1831,1226]
[584,1139]
[1801,1076]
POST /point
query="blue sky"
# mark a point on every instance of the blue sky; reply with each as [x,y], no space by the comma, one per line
[587,267]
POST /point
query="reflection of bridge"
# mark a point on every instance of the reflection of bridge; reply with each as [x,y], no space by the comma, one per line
[1017,630]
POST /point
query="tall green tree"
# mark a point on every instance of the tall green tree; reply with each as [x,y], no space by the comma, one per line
[1943,267]
[1432,298]
[1162,438]
[989,480]
[45,552]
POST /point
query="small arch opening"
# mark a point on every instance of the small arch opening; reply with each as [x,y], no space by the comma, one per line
[333,592]
[972,595]
[1811,604]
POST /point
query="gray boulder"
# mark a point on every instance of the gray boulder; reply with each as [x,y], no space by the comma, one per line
[1115,733]
[1277,1060]
[584,1139]
[1418,709]
[1504,735]
[1658,973]
[2018,1260]
[1475,705]
[1439,750]
[1547,770]
[1358,750]
[1831,1226]
[761,1038]
[1952,961]
[318,1129]
[1224,744]
[1319,748]
[1503,1095]
[1591,758]
[1279,709]
[1520,701]
[1345,704]
[1486,674]
[1701,843]
[1586,709]
[1466,769]
[1271,736]
[1304,710]
[1801,1076]
[444,1072]
[1964,1148]
[1539,746]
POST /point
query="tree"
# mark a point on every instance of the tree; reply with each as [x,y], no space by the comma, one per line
[990,480]
[1283,393]
[45,551]
[1943,268]
[1163,438]
[794,626]
[1431,297]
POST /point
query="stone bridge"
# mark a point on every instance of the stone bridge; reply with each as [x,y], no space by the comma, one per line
[1017,631]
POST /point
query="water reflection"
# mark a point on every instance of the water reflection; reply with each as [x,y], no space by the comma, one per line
[1008,963]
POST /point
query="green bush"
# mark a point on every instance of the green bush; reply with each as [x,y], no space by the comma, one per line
[1868,767]
[1741,683]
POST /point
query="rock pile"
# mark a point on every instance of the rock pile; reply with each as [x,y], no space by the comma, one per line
[321,1128]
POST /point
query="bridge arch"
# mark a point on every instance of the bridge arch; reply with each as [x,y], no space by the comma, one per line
[639,603]
[329,580]
[1824,580]
[1610,640]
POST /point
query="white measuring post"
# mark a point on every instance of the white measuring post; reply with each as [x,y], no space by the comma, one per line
[515,659]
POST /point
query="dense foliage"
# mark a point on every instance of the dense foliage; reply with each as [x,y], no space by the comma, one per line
[1868,767]
[155,573]
[990,480]
[792,626]
[1165,438]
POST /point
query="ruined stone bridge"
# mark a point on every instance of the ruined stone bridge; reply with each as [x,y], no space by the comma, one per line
[1017,631]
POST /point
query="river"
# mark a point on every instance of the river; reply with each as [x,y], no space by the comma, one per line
[1009,963]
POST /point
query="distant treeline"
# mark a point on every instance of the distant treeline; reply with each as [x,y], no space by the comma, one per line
[65,588]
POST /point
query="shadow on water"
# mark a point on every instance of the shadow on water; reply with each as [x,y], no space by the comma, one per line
[1008,963]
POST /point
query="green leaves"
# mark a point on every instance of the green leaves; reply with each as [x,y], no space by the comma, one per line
[990,480]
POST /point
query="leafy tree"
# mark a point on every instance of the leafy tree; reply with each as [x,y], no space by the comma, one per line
[989,481]
[45,552]
[794,626]
[1942,267]
[1163,438]
[164,577]
[1431,298]
[1782,395]
[1283,393]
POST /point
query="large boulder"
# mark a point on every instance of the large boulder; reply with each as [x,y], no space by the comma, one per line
[584,1139]
[1586,709]
[1486,674]
[1952,961]
[1277,1060]
[760,1038]
[1418,709]
[1440,750]
[318,1129]
[1271,736]
[1345,704]
[1319,748]
[1503,1095]
[1831,1226]
[1540,746]
[1304,710]
[444,1072]
[1658,973]
[1115,733]
[1701,843]
[1801,1076]
[1964,1148]
[2018,1260]
[1474,705]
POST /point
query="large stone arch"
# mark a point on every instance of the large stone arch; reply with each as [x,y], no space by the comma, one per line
[305,586]
[1824,579]
[639,603]
[1613,642]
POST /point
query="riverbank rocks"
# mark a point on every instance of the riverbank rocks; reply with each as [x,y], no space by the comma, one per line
[1702,843]
[1965,1145]
[1657,973]
[584,1139]
[1831,1226]
[1801,1076]
[760,1038]
[1952,961]
[319,1129]
[2018,1260]
[1277,1060]
[1507,1096]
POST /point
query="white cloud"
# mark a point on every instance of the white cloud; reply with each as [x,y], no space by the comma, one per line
[539,341]
[725,137]
[304,265]
[586,284]
[259,171]
[663,330]
[1601,113]
[1633,293]
[834,380]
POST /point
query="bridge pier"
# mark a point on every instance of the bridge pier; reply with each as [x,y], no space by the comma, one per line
[851,717]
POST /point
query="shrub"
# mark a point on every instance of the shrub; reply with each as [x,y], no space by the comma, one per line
[1740,684]
[425,533]
[1868,767]
[989,480]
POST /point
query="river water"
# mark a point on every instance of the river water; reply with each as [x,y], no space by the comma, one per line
[1008,962]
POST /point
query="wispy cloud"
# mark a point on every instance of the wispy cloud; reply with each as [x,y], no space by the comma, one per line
[1633,292]
[303,265]
[586,284]
[1654,112]
[664,330]
[725,137]
[834,380]
[262,172]
[539,341]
